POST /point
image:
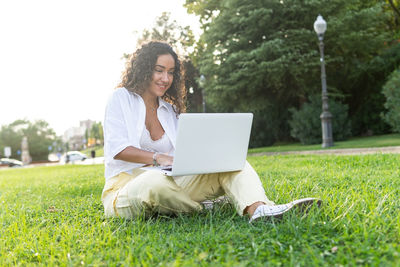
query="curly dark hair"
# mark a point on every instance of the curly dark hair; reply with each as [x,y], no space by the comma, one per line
[139,71]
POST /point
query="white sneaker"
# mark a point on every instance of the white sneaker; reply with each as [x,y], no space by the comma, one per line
[276,211]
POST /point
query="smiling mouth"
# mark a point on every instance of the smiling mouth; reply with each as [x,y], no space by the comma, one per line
[162,86]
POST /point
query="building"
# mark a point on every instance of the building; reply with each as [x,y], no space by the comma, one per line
[75,137]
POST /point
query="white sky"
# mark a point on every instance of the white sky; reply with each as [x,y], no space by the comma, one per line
[60,59]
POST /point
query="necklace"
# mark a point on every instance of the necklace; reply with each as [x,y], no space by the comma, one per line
[149,105]
[154,108]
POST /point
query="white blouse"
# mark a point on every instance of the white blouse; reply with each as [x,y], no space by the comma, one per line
[162,145]
[124,122]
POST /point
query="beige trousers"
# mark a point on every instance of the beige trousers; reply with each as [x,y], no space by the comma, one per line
[148,192]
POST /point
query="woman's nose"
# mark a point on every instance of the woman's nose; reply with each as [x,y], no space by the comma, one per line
[165,77]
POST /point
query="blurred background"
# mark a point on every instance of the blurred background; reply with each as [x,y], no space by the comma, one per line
[60,60]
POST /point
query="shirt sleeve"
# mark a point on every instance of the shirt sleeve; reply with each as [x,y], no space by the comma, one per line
[116,136]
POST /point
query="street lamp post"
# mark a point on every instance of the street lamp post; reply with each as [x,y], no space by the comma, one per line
[326,116]
[202,81]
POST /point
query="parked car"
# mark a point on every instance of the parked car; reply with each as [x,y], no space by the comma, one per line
[72,156]
[11,162]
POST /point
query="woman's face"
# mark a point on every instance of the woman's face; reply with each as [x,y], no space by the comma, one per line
[163,75]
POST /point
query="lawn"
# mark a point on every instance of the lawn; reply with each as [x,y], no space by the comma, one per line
[355,142]
[53,216]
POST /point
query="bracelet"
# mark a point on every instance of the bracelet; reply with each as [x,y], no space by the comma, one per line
[155,163]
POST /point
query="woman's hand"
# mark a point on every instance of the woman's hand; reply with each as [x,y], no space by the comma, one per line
[164,160]
[136,155]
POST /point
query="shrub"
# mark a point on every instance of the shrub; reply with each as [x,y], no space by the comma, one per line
[391,90]
[305,124]
[269,125]
[261,132]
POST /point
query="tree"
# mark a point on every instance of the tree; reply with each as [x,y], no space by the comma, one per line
[40,138]
[96,132]
[262,56]
[164,29]
[8,137]
[394,5]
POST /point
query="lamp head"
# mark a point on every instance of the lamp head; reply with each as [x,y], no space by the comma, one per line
[320,25]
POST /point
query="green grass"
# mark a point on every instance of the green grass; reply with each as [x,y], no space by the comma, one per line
[356,142]
[359,223]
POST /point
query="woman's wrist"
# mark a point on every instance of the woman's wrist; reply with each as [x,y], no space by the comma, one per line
[155,156]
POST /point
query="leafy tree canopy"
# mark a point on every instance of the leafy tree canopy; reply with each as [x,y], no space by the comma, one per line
[264,53]
[180,37]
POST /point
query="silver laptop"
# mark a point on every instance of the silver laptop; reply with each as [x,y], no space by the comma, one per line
[210,143]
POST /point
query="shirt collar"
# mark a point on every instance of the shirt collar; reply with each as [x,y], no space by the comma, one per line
[162,103]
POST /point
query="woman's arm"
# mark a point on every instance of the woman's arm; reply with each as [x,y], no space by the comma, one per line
[136,155]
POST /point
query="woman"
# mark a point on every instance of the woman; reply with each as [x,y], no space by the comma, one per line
[140,128]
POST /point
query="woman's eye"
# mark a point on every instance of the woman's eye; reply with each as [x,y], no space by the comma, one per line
[158,70]
[171,73]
